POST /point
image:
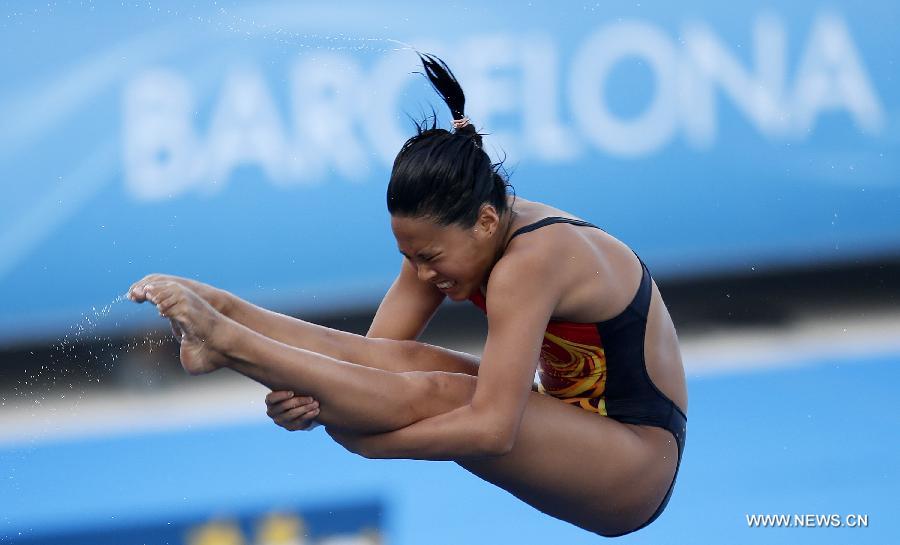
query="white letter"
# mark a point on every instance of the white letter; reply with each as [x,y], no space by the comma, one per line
[484,74]
[245,128]
[831,76]
[389,77]
[158,138]
[756,94]
[546,136]
[325,95]
[609,45]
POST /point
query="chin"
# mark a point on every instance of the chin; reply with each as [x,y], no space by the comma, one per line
[457,297]
[459,294]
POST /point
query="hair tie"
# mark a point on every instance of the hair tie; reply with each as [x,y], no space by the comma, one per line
[460,123]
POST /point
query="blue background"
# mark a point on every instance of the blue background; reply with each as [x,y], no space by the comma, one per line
[74,231]
[815,438]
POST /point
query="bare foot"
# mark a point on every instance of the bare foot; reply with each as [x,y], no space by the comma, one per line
[198,358]
[202,331]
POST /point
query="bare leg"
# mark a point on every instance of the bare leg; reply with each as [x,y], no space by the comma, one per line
[602,475]
[351,396]
[387,354]
[590,470]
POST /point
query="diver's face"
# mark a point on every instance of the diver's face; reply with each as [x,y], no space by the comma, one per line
[454,259]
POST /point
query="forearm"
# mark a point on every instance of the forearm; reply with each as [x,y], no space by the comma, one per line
[460,433]
[406,308]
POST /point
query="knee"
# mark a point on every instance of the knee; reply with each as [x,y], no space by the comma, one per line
[440,391]
[453,387]
[398,355]
[410,353]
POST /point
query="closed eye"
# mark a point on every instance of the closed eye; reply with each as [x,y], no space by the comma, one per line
[422,257]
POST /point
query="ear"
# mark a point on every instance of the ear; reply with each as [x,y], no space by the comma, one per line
[488,221]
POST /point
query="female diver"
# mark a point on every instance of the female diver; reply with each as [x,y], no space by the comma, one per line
[600,442]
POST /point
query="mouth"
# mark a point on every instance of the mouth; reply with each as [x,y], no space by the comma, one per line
[445,285]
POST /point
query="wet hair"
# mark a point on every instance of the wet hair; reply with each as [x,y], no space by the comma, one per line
[442,175]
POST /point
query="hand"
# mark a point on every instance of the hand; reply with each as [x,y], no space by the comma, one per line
[292,412]
[199,327]
[218,299]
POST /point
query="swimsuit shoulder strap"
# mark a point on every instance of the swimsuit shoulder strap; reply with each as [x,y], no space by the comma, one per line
[641,301]
[549,221]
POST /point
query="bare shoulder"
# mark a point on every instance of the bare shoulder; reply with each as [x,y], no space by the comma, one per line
[592,271]
[526,269]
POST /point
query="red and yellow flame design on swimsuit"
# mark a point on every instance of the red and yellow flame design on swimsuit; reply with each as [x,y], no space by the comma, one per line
[572,365]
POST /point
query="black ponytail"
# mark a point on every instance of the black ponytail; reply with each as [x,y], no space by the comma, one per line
[445,176]
[445,83]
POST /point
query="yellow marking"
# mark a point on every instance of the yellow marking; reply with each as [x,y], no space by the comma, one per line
[584,369]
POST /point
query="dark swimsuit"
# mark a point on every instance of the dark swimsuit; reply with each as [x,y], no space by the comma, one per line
[600,366]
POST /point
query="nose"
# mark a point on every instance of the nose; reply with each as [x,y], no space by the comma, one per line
[425,273]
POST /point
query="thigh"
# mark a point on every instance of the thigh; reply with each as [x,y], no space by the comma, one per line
[584,468]
[600,474]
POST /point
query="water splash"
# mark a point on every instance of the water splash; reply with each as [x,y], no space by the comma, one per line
[224,20]
[334,42]
[55,381]
[84,355]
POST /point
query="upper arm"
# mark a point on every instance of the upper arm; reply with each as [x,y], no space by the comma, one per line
[406,308]
[521,297]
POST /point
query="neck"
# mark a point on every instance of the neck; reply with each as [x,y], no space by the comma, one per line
[506,222]
[506,229]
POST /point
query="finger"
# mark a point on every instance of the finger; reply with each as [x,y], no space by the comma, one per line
[297,401]
[279,408]
[308,422]
[276,396]
[304,412]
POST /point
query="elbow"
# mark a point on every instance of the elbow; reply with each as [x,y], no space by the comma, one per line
[356,444]
[497,431]
[499,448]
[369,454]
[497,441]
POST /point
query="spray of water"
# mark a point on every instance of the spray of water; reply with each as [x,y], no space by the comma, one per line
[82,357]
[250,27]
[223,19]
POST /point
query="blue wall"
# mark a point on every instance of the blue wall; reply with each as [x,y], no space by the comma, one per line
[249,145]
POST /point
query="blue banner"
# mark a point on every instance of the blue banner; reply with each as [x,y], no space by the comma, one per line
[345,524]
[250,145]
